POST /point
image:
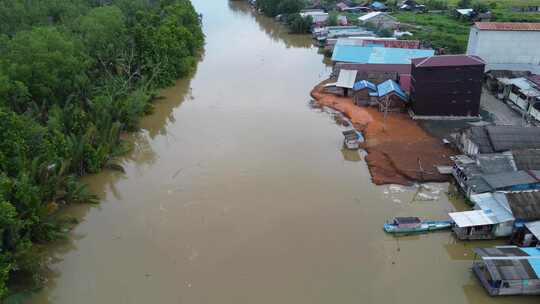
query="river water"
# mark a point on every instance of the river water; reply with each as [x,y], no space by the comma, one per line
[238,191]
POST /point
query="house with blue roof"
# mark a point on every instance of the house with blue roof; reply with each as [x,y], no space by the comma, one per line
[387,95]
[364,93]
[391,97]
[508,270]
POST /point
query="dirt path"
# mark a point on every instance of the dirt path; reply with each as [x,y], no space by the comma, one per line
[399,150]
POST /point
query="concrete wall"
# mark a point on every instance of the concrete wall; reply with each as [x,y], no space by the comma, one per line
[505,47]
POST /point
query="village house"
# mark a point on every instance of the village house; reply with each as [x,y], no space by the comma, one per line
[500,43]
[516,170]
[378,6]
[491,218]
[411,5]
[522,93]
[508,270]
[449,85]
[493,80]
[319,17]
[497,139]
[391,97]
[364,93]
[379,19]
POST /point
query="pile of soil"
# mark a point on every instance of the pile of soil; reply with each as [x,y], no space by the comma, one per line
[399,150]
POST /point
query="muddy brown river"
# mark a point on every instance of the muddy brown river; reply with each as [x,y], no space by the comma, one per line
[237,191]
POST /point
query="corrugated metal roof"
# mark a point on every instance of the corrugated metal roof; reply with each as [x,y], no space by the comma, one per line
[535,79]
[471,218]
[521,82]
[507,26]
[362,84]
[511,262]
[368,16]
[465,11]
[534,228]
[389,87]
[346,79]
[494,204]
[377,55]
[508,179]
[528,159]
[525,205]
[505,138]
[495,163]
[448,60]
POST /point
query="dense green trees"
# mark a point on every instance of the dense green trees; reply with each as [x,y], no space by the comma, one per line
[73,76]
[273,8]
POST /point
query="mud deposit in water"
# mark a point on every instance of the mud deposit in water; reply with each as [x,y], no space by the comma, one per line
[238,191]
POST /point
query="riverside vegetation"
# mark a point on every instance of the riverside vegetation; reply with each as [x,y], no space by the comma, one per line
[74,75]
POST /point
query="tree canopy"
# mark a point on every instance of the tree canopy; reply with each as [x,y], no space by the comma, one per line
[73,76]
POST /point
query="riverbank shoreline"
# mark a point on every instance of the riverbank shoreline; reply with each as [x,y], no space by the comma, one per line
[399,150]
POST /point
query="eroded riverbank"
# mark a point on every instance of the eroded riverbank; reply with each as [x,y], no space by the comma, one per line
[399,150]
[238,192]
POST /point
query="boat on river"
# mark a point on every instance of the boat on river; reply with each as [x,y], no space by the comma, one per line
[352,139]
[415,225]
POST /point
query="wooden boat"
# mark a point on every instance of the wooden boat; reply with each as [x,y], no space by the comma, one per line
[414,225]
[352,139]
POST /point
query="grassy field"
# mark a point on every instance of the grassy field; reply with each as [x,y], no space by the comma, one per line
[445,31]
[438,30]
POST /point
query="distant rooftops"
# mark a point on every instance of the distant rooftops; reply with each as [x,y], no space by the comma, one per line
[448,60]
[507,26]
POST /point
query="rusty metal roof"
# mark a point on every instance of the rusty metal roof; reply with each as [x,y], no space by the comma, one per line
[507,26]
[448,60]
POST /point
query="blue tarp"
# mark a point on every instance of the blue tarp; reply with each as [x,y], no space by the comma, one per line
[535,263]
[377,55]
[362,84]
[391,86]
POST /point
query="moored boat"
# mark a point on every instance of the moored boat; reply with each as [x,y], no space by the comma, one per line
[415,225]
[352,139]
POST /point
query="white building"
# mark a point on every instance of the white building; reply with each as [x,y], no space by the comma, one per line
[380,19]
[505,42]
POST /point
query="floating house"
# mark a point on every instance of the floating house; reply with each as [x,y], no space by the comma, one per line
[497,139]
[508,270]
[379,19]
[505,43]
[489,173]
[492,218]
[449,85]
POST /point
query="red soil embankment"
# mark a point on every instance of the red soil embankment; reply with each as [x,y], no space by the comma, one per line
[399,150]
